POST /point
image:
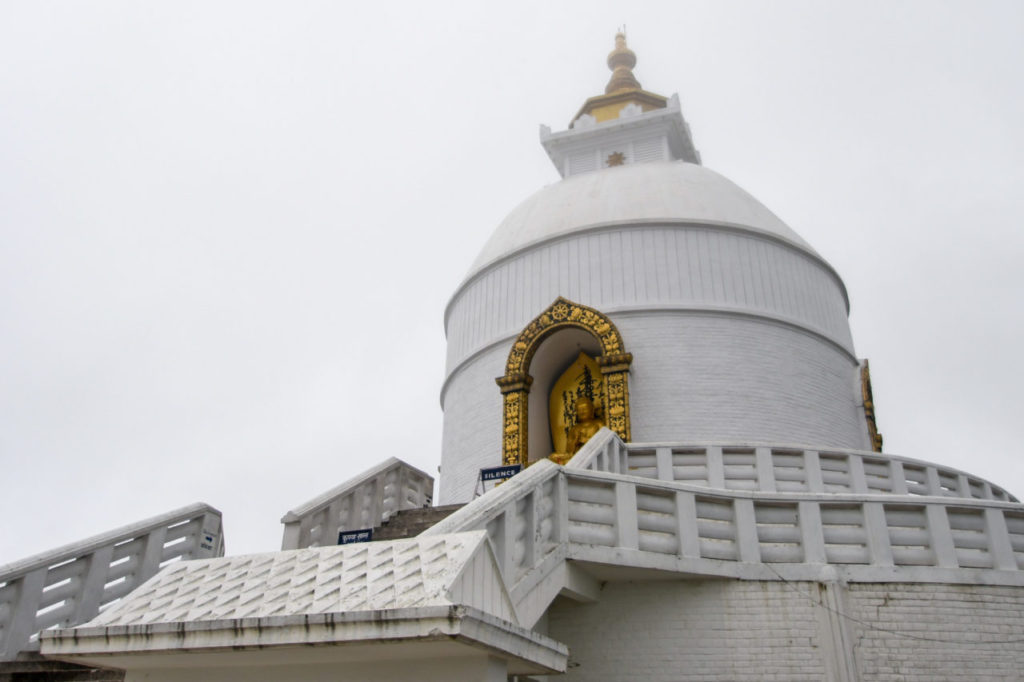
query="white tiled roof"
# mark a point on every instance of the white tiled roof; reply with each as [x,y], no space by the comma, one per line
[358,577]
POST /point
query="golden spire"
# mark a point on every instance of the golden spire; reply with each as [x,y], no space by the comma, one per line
[621,61]
[622,90]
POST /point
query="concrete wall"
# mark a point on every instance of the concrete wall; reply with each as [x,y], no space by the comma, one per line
[748,630]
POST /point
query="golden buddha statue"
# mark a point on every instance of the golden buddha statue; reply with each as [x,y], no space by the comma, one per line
[587,424]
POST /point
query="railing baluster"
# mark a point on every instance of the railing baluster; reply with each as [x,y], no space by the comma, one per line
[506,546]
[812,533]
[626,529]
[152,552]
[716,467]
[23,621]
[812,464]
[663,461]
[877,531]
[560,517]
[765,470]
[897,477]
[90,595]
[941,536]
[999,544]
[858,481]
[687,531]
[747,544]
[963,486]
[530,528]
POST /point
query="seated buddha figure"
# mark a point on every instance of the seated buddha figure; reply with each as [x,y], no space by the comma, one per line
[587,424]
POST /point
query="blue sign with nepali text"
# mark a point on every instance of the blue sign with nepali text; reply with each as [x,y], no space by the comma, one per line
[347,537]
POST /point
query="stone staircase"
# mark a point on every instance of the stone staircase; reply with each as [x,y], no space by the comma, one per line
[409,523]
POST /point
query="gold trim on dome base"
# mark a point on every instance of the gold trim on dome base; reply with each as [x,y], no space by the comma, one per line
[515,384]
[869,407]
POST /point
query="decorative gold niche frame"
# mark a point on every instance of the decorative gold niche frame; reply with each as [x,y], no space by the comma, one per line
[869,406]
[614,362]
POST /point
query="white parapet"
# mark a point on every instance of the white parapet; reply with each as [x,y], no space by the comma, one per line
[365,501]
[70,585]
[782,468]
[609,507]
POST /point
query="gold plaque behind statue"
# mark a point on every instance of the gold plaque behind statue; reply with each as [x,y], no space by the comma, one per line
[581,379]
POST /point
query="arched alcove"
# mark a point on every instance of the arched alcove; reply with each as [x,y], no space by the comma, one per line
[543,349]
[554,354]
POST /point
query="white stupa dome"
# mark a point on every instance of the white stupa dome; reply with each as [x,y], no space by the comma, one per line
[737,330]
[662,192]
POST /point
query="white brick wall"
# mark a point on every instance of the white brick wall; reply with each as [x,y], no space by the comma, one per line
[947,632]
[748,630]
[643,266]
[695,630]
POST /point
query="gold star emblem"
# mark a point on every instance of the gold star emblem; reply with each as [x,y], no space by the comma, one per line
[616,159]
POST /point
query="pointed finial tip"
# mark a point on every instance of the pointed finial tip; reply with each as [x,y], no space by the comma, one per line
[621,61]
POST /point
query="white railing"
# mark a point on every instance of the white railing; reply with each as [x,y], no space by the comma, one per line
[522,518]
[69,586]
[597,509]
[699,524]
[366,501]
[775,468]
[526,523]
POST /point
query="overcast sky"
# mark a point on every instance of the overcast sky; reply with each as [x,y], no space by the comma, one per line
[228,230]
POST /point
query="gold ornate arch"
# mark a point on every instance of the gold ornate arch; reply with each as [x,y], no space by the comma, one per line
[515,384]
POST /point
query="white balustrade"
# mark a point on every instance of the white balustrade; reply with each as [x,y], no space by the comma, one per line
[822,512]
[690,522]
[525,519]
[365,501]
[776,468]
[69,585]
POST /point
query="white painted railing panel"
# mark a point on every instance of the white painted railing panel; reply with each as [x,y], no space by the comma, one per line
[703,510]
[69,586]
[820,508]
[524,519]
[776,468]
[789,528]
[365,501]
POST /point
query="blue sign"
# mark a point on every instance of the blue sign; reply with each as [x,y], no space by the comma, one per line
[347,537]
[500,473]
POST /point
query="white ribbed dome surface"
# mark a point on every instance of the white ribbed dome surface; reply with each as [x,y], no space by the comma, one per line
[666,191]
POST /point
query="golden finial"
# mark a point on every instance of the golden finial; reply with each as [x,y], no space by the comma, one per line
[621,61]
[622,90]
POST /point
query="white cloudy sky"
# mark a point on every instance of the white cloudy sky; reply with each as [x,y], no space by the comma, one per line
[228,229]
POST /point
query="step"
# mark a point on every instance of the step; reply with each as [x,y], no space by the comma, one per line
[409,523]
